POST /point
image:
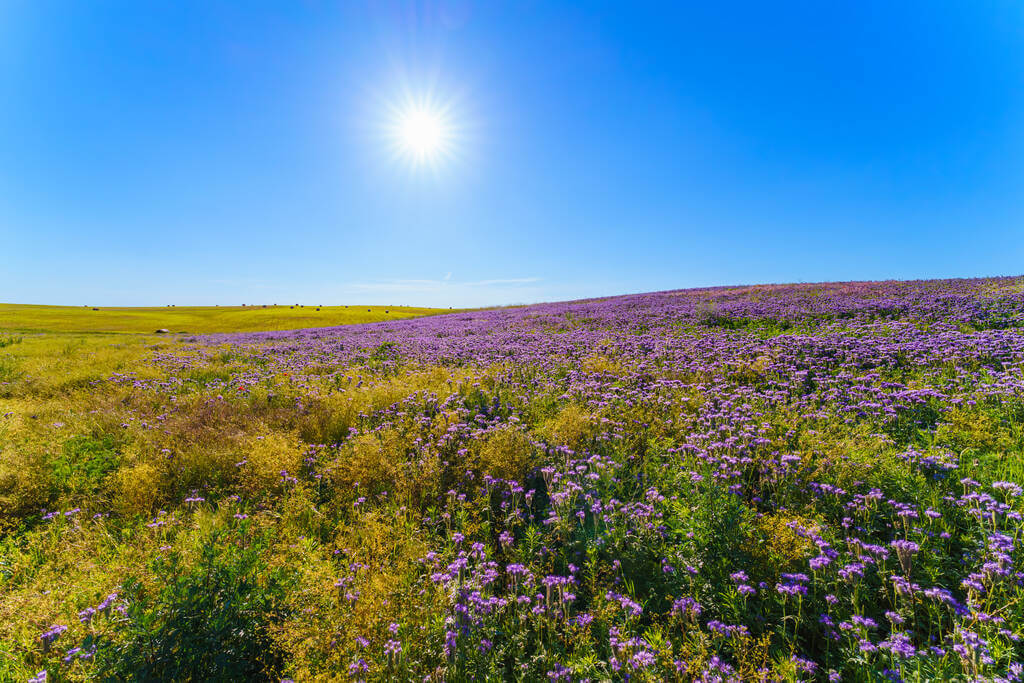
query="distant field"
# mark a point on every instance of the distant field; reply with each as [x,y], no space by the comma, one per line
[195,319]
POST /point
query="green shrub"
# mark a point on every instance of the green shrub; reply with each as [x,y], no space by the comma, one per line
[84,463]
[208,620]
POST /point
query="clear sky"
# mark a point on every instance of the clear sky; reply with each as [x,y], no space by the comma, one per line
[212,152]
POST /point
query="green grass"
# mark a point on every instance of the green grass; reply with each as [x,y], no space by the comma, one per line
[195,319]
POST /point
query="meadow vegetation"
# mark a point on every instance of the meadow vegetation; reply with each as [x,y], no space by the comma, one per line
[813,482]
[195,319]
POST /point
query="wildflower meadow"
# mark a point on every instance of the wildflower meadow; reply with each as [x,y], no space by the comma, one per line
[766,483]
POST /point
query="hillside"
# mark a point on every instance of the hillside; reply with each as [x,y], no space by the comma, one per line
[778,482]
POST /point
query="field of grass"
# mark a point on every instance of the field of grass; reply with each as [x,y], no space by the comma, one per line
[195,319]
[796,483]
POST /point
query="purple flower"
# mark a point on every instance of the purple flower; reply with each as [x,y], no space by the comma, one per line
[392,647]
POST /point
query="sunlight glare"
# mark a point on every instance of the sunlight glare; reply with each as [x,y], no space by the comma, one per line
[422,132]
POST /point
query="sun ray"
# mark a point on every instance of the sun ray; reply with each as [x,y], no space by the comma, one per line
[421,131]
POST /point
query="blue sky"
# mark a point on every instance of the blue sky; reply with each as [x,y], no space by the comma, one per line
[211,152]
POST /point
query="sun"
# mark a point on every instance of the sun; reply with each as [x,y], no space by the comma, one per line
[422,132]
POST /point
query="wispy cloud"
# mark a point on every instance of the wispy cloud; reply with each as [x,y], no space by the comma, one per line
[243,282]
[511,281]
[446,284]
[446,291]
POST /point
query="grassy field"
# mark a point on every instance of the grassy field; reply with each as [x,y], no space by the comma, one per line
[195,319]
[770,483]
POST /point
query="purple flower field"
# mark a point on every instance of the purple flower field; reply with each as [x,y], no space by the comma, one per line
[781,482]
